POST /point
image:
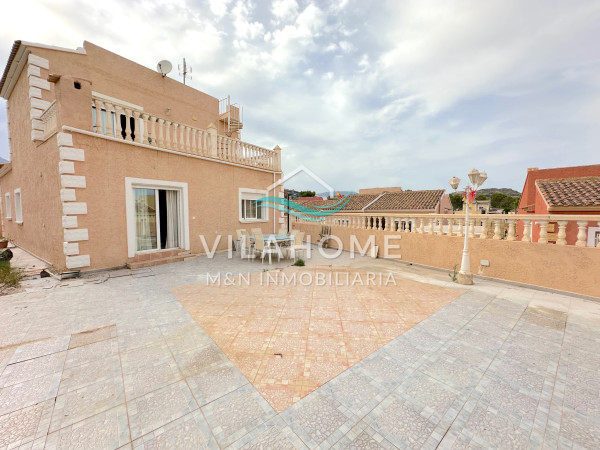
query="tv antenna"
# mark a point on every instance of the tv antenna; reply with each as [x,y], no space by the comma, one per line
[184,70]
[164,67]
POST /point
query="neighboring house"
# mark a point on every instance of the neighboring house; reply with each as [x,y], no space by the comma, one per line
[380,190]
[308,200]
[477,207]
[113,163]
[406,202]
[563,190]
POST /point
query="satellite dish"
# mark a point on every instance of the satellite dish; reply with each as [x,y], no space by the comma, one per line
[164,67]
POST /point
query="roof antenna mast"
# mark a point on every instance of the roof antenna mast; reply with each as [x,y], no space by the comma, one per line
[184,70]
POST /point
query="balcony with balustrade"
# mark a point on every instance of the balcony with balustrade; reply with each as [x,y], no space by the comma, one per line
[132,124]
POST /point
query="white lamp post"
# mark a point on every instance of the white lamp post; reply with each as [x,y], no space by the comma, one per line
[477,179]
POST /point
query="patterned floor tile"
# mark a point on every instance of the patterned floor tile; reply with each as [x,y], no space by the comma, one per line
[274,434]
[80,376]
[32,368]
[40,348]
[18,396]
[319,420]
[108,429]
[215,382]
[140,338]
[453,372]
[356,391]
[189,432]
[483,426]
[237,413]
[92,352]
[362,436]
[331,328]
[92,336]
[25,425]
[86,402]
[158,408]
[194,362]
[400,423]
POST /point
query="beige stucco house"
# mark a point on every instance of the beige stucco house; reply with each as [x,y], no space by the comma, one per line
[112,163]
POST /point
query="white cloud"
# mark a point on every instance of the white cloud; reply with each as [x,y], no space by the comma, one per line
[244,26]
[285,9]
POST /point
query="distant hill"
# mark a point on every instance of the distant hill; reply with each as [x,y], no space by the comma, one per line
[489,191]
[326,194]
[505,191]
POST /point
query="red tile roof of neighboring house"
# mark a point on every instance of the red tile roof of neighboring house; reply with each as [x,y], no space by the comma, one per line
[308,199]
[570,192]
[407,200]
[356,203]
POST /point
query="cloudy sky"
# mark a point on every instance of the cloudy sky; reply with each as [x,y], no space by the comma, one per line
[367,93]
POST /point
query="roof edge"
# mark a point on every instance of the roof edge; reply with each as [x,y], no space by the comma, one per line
[11,57]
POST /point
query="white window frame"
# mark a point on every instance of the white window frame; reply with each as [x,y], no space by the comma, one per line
[18,205]
[182,188]
[252,194]
[7,206]
[591,240]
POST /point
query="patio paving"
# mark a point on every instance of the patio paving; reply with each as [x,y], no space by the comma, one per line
[289,337]
[115,361]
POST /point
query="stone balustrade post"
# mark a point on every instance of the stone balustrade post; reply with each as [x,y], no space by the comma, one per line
[138,132]
[183,145]
[161,133]
[146,133]
[98,125]
[192,138]
[526,230]
[497,229]
[109,120]
[430,230]
[175,145]
[212,140]
[440,230]
[484,229]
[561,238]
[543,239]
[168,142]
[512,235]
[450,227]
[461,224]
[277,151]
[128,130]
[581,233]
[598,245]
[118,126]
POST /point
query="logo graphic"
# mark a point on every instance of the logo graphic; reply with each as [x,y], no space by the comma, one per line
[312,213]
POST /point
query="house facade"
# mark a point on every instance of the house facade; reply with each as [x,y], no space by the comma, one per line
[112,163]
[559,191]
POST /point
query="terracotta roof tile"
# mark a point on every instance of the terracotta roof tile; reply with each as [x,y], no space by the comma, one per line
[574,192]
[356,203]
[407,200]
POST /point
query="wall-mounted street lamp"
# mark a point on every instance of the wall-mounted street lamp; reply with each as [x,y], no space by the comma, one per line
[477,178]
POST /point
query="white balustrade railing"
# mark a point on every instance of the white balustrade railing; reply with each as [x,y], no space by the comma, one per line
[138,126]
[578,230]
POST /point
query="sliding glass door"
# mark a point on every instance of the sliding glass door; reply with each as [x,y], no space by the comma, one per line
[157,216]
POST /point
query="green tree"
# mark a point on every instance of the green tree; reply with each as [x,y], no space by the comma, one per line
[307,193]
[457,201]
[481,197]
[496,200]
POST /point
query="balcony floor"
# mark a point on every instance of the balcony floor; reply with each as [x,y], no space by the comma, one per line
[157,356]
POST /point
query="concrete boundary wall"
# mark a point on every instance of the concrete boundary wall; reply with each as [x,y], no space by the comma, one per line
[566,268]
